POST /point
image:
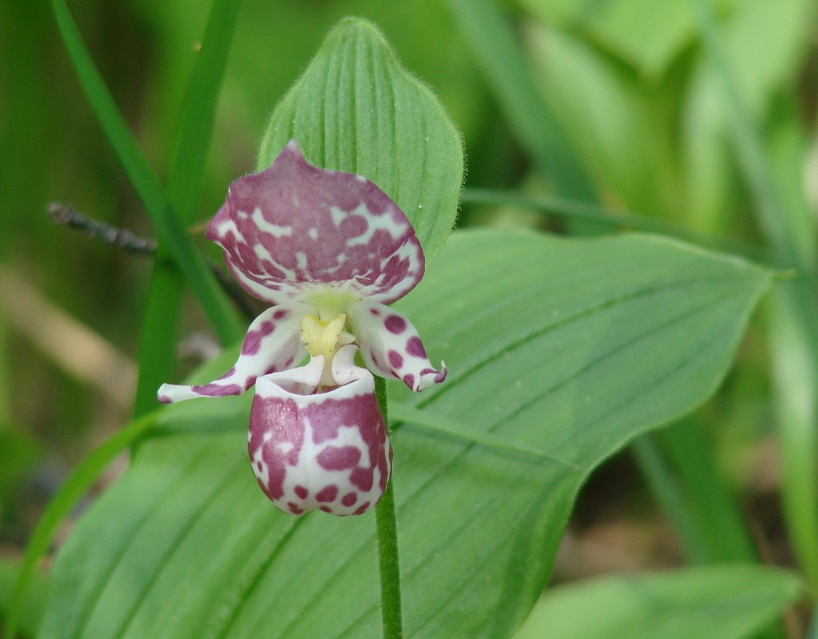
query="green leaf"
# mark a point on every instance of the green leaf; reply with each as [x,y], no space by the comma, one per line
[646,33]
[146,183]
[32,607]
[356,109]
[615,128]
[161,316]
[694,496]
[532,120]
[756,76]
[789,231]
[569,347]
[719,602]
[58,509]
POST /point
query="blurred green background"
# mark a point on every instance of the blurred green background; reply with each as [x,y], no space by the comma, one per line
[636,103]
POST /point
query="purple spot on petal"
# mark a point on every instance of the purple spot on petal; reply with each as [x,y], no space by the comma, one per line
[409,380]
[339,457]
[415,347]
[349,499]
[326,509]
[302,492]
[329,493]
[362,479]
[364,507]
[164,399]
[217,390]
[294,509]
[280,314]
[395,359]
[353,226]
[374,311]
[252,343]
[395,324]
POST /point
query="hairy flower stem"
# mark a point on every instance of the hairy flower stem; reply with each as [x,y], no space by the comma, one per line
[387,530]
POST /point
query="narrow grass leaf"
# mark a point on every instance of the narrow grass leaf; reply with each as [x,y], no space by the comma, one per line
[794,327]
[497,49]
[33,606]
[157,353]
[146,183]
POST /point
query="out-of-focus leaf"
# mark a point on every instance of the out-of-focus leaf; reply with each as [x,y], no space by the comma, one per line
[18,452]
[790,231]
[356,109]
[146,183]
[161,316]
[717,602]
[32,607]
[759,72]
[532,119]
[646,33]
[616,129]
[565,347]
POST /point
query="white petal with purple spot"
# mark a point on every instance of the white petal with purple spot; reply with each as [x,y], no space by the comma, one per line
[273,343]
[391,345]
[325,451]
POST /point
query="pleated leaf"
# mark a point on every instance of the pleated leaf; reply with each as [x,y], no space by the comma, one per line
[356,109]
[561,350]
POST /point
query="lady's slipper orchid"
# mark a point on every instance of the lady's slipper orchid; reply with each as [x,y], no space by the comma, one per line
[329,251]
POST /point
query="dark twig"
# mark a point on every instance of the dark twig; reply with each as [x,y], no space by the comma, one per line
[121,238]
[132,243]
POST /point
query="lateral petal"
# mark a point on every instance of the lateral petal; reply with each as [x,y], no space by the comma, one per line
[391,345]
[327,451]
[273,343]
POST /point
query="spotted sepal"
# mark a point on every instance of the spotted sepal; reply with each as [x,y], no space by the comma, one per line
[391,346]
[294,227]
[273,343]
[320,450]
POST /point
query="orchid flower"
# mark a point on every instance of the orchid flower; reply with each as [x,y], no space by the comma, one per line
[328,251]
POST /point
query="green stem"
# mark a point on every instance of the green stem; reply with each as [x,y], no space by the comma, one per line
[387,531]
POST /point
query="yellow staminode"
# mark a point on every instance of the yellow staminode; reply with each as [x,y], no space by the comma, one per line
[325,338]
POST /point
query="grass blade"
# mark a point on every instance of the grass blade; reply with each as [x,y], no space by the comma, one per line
[146,183]
[157,353]
[534,124]
[198,112]
[794,336]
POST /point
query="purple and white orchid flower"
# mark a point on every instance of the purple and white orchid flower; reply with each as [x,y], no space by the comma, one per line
[328,251]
